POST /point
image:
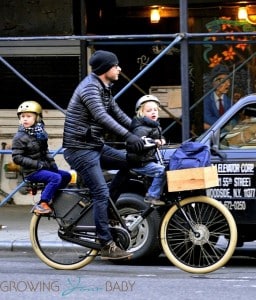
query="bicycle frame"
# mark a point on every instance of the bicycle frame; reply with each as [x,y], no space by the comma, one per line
[78,219]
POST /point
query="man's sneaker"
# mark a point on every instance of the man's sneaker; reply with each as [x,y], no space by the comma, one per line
[42,208]
[153,201]
[111,251]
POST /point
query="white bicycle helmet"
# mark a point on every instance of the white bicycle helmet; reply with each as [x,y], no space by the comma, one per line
[145,99]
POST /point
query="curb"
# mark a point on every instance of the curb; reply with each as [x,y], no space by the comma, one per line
[15,245]
[26,245]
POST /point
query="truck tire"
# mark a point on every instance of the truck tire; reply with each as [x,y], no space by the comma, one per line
[145,242]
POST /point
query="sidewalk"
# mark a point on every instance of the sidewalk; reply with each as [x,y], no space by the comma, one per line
[16,218]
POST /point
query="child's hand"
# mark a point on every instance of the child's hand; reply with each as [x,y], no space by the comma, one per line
[160,142]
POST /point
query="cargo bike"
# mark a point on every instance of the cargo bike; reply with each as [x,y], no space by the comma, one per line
[196,233]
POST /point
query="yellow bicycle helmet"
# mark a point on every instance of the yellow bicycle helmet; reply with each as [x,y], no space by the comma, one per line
[30,106]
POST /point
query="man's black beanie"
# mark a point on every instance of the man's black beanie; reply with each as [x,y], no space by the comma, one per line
[101,61]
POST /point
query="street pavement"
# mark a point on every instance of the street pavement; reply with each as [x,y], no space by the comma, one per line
[14,227]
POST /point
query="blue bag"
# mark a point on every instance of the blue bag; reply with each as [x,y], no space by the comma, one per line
[190,155]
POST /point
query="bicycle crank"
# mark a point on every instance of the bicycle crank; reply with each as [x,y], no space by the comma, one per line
[121,237]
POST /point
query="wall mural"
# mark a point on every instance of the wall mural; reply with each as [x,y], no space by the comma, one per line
[232,51]
[144,60]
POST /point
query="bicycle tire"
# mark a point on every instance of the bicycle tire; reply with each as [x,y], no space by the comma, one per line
[217,241]
[52,250]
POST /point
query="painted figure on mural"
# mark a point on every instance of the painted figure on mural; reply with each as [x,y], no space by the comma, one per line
[217,102]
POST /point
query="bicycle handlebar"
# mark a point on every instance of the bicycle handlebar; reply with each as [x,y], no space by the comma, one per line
[148,142]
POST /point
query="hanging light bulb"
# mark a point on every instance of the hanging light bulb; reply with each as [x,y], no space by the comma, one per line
[242,13]
[154,15]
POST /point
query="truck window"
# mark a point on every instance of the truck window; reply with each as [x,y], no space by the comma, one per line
[240,131]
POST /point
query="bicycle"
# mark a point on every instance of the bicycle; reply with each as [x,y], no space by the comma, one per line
[197,234]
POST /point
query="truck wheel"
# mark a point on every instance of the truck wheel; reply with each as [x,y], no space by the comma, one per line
[145,238]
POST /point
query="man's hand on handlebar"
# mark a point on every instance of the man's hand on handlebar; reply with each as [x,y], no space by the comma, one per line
[134,143]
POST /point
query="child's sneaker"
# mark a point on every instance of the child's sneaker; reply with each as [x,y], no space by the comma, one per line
[152,200]
[42,208]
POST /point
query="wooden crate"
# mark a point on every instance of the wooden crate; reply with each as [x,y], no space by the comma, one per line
[192,179]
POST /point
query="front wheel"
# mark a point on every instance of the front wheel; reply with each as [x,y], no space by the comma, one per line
[54,251]
[203,244]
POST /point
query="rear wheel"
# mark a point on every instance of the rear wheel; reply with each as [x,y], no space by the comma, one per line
[145,238]
[54,251]
[205,247]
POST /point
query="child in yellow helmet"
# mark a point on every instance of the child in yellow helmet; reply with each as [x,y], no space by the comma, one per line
[30,151]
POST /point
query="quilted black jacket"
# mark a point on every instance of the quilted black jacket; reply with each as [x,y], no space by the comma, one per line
[92,111]
[28,152]
[143,126]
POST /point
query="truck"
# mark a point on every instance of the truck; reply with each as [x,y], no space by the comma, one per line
[232,140]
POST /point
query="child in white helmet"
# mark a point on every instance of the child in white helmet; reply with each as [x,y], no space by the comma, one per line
[145,124]
[30,151]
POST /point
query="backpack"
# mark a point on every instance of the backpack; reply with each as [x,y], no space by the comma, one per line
[190,155]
